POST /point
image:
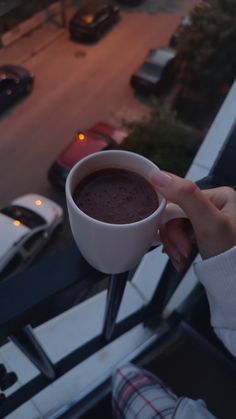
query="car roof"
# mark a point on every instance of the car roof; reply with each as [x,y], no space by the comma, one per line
[161,56]
[10,233]
[78,148]
[46,208]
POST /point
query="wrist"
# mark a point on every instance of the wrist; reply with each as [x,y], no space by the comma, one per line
[219,241]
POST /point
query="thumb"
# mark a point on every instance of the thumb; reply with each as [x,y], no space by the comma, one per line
[187,195]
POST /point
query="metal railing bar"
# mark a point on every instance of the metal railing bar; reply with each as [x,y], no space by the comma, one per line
[33,387]
[28,343]
[116,288]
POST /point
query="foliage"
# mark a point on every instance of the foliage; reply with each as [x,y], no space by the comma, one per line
[163,139]
[206,53]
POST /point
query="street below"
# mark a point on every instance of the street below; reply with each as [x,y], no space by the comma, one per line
[77,85]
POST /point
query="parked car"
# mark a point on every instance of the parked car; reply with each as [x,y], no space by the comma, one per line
[15,82]
[157,73]
[26,225]
[100,136]
[93,19]
[185,23]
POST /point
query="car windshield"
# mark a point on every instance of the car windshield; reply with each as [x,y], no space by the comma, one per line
[24,216]
[87,18]
[8,75]
[104,136]
[161,57]
[151,69]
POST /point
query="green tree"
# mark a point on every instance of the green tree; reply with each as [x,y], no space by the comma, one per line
[163,139]
[206,54]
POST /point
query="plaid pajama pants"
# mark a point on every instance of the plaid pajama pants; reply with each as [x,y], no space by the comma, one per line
[138,394]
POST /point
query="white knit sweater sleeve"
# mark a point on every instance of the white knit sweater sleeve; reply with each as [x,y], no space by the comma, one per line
[218,275]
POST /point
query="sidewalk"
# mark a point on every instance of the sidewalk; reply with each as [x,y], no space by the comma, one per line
[20,51]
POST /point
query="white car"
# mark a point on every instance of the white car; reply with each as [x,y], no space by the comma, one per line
[26,225]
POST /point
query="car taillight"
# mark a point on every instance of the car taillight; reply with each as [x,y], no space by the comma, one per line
[81,136]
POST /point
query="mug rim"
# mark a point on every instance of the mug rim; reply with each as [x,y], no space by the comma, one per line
[69,196]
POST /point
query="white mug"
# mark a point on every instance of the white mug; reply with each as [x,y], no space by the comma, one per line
[115,248]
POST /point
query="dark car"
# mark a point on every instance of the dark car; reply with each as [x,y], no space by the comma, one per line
[93,19]
[101,136]
[157,73]
[15,82]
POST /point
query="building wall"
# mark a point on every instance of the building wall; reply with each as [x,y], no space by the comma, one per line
[7,5]
[14,12]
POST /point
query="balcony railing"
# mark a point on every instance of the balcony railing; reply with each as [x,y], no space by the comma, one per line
[25,298]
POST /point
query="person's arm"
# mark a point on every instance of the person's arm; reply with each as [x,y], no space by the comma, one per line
[218,275]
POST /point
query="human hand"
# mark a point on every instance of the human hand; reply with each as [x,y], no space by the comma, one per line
[211,218]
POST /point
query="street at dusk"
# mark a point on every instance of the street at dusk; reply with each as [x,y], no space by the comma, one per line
[75,86]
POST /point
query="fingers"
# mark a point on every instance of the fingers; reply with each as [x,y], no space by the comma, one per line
[180,236]
[223,198]
[211,213]
[187,195]
[176,242]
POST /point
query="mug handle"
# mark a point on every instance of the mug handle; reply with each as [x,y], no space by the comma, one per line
[171,212]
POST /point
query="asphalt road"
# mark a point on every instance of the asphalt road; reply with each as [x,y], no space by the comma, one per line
[75,86]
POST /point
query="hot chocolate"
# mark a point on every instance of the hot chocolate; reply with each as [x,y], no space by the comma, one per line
[116,196]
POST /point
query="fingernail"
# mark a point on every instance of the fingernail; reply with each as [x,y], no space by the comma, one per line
[174,253]
[179,266]
[176,265]
[183,251]
[160,178]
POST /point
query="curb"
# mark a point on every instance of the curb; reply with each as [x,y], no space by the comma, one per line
[27,26]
